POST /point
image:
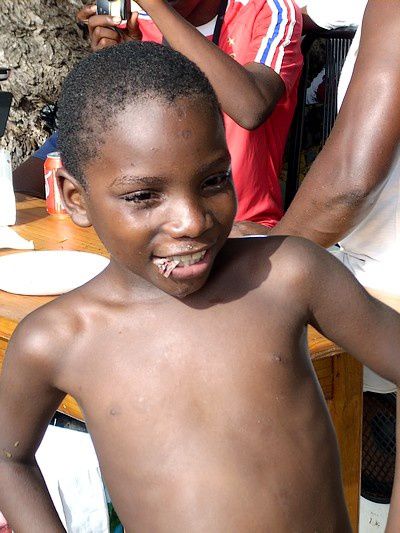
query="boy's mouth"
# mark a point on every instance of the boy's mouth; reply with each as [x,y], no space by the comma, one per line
[166,265]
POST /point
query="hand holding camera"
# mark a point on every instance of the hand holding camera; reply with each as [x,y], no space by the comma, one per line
[111,22]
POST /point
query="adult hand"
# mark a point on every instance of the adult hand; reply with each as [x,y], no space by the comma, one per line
[244,228]
[104,30]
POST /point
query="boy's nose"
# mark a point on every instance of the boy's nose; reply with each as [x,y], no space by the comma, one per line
[188,218]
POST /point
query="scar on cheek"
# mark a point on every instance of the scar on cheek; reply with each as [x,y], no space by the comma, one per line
[166,266]
[186,134]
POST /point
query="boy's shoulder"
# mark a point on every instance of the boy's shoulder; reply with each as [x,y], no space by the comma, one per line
[46,335]
[286,264]
[292,254]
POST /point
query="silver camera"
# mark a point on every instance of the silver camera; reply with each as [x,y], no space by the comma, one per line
[114,8]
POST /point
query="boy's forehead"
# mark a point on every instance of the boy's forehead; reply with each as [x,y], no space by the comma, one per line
[153,137]
[157,123]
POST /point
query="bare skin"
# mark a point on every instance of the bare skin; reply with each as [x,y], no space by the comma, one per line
[247,93]
[346,178]
[244,228]
[197,388]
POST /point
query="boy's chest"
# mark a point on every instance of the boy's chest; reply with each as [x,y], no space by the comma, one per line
[180,362]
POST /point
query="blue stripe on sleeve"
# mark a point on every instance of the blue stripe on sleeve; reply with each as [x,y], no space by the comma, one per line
[276,31]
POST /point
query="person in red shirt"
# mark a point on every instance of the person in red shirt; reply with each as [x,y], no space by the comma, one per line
[254,70]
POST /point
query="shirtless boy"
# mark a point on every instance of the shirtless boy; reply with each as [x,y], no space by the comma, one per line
[188,354]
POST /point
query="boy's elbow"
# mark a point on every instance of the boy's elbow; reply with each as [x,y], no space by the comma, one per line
[254,118]
[263,94]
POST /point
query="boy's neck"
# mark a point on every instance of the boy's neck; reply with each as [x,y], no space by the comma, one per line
[205,11]
[132,288]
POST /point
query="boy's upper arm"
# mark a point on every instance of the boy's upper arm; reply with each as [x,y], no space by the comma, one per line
[345,313]
[276,40]
[27,396]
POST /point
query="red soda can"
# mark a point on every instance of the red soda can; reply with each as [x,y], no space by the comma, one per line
[54,204]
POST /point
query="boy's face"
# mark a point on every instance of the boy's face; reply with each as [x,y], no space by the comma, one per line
[160,194]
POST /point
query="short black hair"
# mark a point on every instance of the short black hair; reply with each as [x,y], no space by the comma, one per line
[104,83]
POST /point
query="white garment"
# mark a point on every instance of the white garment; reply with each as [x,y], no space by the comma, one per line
[71,470]
[301,3]
[330,14]
[372,249]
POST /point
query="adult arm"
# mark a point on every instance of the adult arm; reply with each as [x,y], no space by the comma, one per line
[248,94]
[345,180]
[27,402]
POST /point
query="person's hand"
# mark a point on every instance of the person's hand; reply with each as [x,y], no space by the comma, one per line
[242,229]
[104,30]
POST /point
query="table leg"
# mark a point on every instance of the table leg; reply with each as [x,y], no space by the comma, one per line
[346,411]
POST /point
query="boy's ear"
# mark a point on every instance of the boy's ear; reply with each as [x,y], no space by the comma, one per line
[74,198]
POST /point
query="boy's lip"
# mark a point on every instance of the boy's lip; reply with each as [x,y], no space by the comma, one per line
[183,272]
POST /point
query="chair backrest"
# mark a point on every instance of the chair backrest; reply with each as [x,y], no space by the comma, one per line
[338,42]
[5,104]
[5,101]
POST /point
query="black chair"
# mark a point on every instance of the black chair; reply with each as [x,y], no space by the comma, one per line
[338,42]
[5,102]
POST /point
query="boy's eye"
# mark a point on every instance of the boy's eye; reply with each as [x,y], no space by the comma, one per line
[219,181]
[140,197]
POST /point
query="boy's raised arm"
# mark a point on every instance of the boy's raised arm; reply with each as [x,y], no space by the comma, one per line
[366,328]
[27,402]
[248,94]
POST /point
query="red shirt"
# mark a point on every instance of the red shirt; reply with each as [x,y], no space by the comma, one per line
[267,32]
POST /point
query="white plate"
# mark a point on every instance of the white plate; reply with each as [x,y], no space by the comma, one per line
[49,272]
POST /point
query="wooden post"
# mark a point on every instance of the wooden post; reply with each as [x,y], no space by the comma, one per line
[346,412]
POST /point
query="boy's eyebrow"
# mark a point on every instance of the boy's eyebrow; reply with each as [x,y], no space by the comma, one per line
[129,178]
[157,180]
[210,166]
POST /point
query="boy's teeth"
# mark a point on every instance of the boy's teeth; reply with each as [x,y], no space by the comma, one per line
[189,259]
[167,264]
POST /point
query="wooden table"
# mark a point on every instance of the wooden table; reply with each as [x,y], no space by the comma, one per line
[339,374]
